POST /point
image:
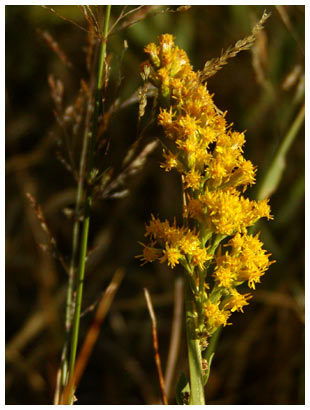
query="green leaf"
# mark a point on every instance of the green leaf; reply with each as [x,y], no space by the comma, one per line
[182,390]
[274,174]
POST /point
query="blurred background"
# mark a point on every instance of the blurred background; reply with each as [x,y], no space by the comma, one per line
[260,358]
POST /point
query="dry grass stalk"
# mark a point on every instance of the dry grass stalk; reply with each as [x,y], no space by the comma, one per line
[51,246]
[214,65]
[155,345]
[93,332]
[116,187]
[53,11]
[52,43]
[175,339]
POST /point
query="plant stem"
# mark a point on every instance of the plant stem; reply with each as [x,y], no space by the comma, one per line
[191,315]
[88,202]
[194,351]
[74,254]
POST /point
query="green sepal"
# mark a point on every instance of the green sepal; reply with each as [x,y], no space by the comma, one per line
[206,376]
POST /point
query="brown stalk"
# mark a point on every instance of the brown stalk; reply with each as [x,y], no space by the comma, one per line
[32,327]
[53,11]
[175,339]
[93,333]
[52,43]
[155,345]
[51,245]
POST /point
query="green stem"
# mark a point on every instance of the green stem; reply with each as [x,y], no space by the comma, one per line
[74,254]
[81,272]
[88,202]
[194,351]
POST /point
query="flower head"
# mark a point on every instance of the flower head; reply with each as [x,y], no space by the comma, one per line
[208,154]
[237,301]
[214,316]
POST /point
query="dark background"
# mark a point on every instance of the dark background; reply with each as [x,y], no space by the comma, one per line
[260,358]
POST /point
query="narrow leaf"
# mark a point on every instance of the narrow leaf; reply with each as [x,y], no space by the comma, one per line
[273,176]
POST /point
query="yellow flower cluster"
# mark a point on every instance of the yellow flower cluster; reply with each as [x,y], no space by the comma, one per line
[226,211]
[202,147]
[247,261]
[174,245]
[215,316]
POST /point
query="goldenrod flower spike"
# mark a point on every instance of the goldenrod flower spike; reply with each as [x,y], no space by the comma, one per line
[208,155]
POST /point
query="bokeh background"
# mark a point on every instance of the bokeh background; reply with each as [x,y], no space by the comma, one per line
[260,358]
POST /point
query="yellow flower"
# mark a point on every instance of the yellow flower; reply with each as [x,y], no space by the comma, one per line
[209,156]
[188,145]
[225,272]
[150,254]
[192,179]
[201,157]
[263,209]
[171,255]
[189,242]
[165,119]
[170,161]
[195,209]
[200,257]
[215,317]
[217,171]
[247,261]
[230,212]
[156,229]
[247,171]
[166,46]
[153,51]
[186,125]
[237,301]
[164,78]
